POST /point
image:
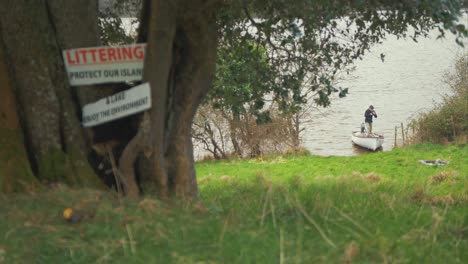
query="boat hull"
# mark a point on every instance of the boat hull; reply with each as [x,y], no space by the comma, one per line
[371,142]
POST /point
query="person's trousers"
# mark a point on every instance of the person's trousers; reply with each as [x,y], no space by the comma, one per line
[369,128]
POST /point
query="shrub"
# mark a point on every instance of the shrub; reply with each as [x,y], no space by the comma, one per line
[449,119]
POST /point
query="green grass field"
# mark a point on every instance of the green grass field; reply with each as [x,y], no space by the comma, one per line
[375,208]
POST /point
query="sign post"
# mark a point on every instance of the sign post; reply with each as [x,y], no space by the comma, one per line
[104,64]
[125,103]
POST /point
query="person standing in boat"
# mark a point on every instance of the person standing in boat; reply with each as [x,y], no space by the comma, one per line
[369,114]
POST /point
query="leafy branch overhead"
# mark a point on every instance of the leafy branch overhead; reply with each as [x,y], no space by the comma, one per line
[291,53]
[307,43]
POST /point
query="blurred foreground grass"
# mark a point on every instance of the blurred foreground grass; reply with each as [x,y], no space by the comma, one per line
[376,208]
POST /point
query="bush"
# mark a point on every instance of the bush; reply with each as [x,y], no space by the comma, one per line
[448,121]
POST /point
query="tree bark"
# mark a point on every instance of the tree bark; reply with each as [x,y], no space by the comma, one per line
[76,26]
[15,172]
[52,129]
[161,28]
[25,33]
[179,64]
[127,161]
[196,47]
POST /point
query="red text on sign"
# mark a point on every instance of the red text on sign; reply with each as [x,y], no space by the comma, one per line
[105,55]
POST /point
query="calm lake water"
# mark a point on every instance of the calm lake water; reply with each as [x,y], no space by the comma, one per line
[410,81]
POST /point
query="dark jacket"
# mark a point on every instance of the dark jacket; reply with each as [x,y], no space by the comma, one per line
[368,115]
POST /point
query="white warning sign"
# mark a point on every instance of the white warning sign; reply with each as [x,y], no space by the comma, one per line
[125,103]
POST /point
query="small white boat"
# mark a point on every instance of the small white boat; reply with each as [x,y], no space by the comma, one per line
[368,141]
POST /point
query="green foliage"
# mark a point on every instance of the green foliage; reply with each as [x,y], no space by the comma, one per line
[309,42]
[376,208]
[112,32]
[449,119]
[243,78]
[293,52]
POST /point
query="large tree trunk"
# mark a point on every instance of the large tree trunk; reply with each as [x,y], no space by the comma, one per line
[181,48]
[53,133]
[196,48]
[161,28]
[15,172]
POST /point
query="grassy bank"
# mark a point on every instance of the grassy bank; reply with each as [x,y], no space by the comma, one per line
[377,208]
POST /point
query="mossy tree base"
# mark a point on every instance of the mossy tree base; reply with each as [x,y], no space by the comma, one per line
[16,174]
[67,168]
[15,170]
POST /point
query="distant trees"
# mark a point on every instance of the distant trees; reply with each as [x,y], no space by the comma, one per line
[115,17]
[241,100]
